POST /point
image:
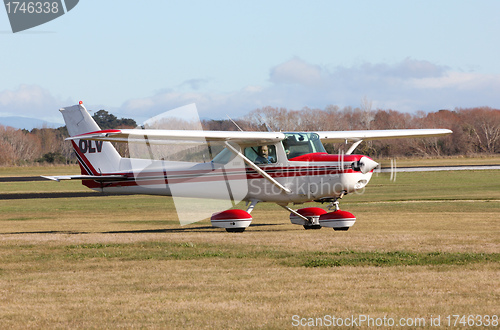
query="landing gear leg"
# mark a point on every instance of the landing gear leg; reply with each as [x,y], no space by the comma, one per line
[250,207]
[334,205]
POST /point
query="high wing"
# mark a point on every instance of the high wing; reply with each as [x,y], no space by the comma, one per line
[156,136]
[341,136]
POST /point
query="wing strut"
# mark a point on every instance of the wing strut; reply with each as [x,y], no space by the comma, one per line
[353,146]
[294,212]
[255,167]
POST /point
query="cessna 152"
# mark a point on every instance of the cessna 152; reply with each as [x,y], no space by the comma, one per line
[280,167]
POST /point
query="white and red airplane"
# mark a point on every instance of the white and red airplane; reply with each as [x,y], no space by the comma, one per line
[294,169]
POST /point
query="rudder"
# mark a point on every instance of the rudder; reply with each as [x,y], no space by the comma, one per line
[95,157]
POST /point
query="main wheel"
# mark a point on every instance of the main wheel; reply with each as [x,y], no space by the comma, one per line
[341,229]
[312,227]
[235,230]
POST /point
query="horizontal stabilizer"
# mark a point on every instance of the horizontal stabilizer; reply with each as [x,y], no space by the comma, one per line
[86,177]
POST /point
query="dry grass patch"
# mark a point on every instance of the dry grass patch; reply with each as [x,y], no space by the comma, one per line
[236,293]
[124,261]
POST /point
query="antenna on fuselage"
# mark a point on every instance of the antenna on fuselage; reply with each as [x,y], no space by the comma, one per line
[146,138]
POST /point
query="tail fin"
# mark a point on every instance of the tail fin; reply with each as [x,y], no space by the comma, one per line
[95,157]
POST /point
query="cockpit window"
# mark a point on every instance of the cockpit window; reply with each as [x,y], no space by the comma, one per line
[262,154]
[259,155]
[298,144]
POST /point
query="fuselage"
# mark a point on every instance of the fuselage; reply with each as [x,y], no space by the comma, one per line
[303,167]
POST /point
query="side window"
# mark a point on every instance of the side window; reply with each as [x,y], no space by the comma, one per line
[261,154]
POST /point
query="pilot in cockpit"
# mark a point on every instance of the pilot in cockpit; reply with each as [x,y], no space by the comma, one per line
[264,157]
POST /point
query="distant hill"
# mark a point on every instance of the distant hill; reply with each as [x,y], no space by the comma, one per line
[27,123]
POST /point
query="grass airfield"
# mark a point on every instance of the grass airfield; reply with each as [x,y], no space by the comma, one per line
[424,246]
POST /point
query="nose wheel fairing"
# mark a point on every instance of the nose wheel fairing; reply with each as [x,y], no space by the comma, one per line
[318,218]
[311,215]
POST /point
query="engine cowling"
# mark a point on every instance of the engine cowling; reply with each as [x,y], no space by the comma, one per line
[235,220]
[338,220]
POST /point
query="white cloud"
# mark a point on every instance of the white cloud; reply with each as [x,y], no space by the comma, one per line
[296,71]
[31,101]
[194,84]
[419,69]
[458,80]
[408,86]
[24,95]
[407,68]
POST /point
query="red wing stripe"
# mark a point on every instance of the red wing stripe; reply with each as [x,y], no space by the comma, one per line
[82,136]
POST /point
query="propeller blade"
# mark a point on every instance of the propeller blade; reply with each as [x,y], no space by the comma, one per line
[389,167]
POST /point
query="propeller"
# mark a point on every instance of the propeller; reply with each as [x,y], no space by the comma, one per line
[341,161]
[388,167]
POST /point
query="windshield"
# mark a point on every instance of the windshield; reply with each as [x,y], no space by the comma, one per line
[298,144]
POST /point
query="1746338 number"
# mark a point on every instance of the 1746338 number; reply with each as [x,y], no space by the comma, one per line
[37,7]
[472,320]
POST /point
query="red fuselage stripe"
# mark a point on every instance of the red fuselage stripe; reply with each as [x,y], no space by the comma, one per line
[196,176]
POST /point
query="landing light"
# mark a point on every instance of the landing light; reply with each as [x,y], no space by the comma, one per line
[360,184]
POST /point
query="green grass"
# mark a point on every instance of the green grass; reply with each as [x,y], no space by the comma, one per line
[41,187]
[443,185]
[398,258]
[140,251]
[443,161]
[37,170]
[425,245]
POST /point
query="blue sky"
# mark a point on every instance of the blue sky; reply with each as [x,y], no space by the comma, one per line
[140,58]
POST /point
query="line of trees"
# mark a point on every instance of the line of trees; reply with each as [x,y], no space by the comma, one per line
[47,145]
[475,131]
